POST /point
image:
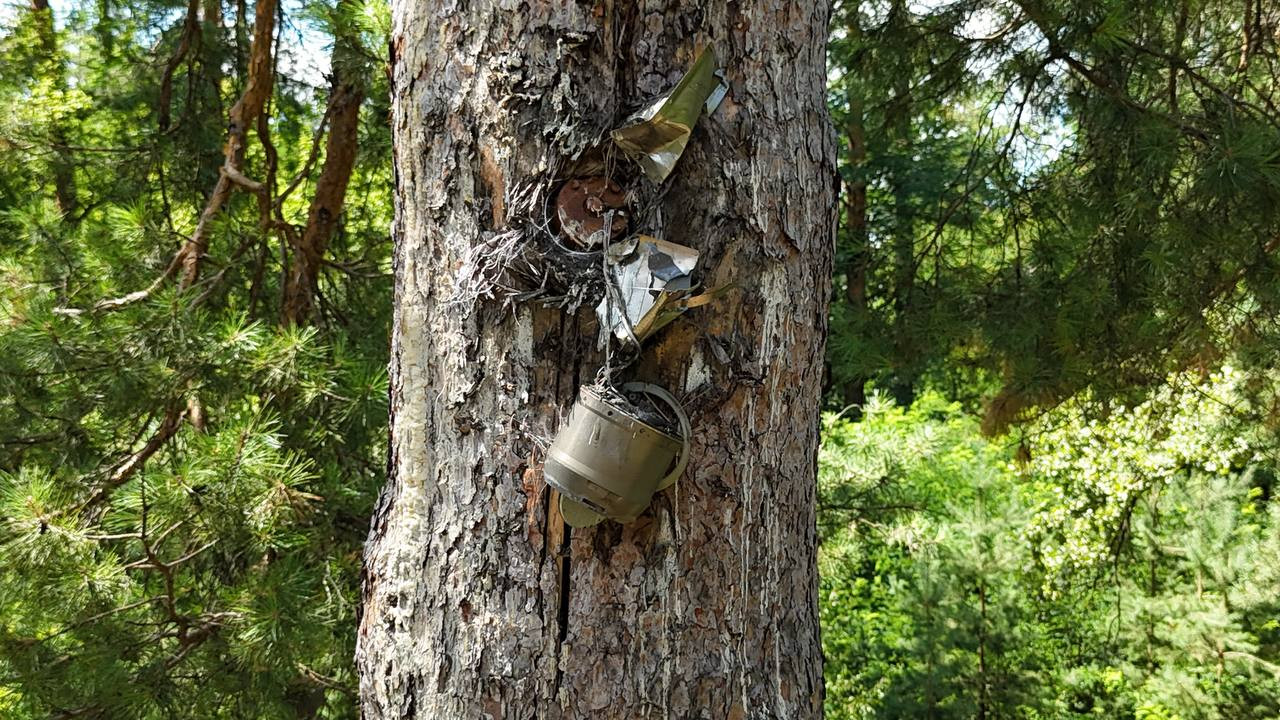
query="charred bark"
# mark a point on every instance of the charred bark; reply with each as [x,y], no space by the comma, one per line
[477,601]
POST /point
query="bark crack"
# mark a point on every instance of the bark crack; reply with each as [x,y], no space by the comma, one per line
[562,610]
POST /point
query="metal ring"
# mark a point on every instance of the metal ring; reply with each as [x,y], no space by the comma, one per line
[686,430]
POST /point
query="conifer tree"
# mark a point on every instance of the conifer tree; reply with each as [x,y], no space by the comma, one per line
[1091,186]
[186,471]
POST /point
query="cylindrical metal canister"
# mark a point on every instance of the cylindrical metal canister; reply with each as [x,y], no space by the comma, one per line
[609,460]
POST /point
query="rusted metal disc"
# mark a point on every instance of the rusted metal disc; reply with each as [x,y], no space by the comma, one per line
[581,206]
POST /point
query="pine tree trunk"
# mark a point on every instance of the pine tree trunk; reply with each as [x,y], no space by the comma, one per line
[478,601]
[858,264]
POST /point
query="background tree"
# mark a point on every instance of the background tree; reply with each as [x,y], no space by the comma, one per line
[186,462]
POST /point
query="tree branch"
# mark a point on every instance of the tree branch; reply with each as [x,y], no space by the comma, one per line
[243,114]
[345,97]
[190,27]
[125,470]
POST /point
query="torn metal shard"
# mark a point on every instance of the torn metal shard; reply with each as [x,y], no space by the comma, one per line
[656,136]
[608,461]
[644,287]
[722,89]
[621,249]
[664,267]
[581,207]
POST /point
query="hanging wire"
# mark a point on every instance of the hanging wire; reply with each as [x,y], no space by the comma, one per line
[610,159]
[612,290]
[607,370]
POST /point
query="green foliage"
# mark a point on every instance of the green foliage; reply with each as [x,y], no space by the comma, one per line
[185,481]
[1058,215]
[1122,566]
[1058,196]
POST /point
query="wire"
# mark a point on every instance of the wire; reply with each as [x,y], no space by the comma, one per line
[608,302]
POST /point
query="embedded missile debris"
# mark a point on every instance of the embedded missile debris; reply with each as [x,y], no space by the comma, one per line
[581,207]
[646,281]
[656,136]
[616,451]
[624,442]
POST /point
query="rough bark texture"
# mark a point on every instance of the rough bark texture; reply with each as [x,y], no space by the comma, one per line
[478,602]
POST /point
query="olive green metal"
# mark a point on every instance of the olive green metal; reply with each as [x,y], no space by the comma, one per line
[576,514]
[606,462]
[656,136]
[686,431]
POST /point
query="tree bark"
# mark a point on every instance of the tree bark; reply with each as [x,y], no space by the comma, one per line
[345,95]
[478,601]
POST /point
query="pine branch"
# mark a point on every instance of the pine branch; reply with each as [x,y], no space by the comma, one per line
[125,470]
[243,114]
[240,179]
[1240,655]
[1057,51]
[312,156]
[126,300]
[346,94]
[190,27]
[99,616]
[245,111]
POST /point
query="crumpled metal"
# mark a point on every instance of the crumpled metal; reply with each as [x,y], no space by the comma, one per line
[610,458]
[647,277]
[656,136]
